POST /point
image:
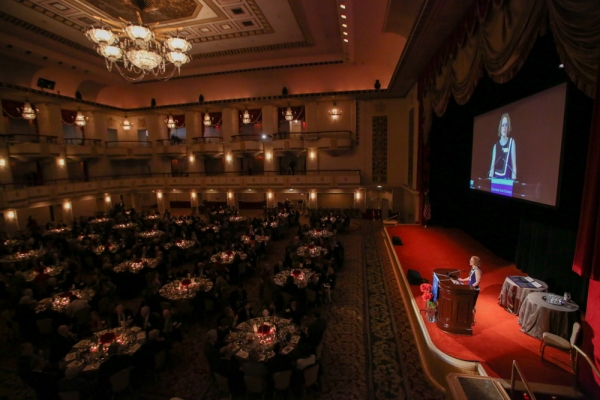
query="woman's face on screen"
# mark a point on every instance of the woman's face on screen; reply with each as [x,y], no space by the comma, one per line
[504,127]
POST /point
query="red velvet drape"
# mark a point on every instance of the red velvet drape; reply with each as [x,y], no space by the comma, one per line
[587,252]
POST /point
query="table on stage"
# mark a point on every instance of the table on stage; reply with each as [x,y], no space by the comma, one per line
[515,289]
[537,316]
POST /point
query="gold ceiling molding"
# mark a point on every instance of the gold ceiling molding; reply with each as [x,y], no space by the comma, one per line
[298,10]
[42,32]
[255,49]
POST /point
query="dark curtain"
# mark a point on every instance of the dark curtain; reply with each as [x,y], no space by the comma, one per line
[68,116]
[587,253]
[545,251]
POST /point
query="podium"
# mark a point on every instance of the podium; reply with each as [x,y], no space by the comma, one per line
[455,302]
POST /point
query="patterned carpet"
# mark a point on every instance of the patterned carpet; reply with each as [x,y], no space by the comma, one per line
[369,350]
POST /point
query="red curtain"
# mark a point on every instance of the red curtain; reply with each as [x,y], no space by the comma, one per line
[68,116]
[12,108]
[587,252]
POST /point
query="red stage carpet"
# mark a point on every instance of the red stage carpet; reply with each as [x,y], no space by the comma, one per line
[497,339]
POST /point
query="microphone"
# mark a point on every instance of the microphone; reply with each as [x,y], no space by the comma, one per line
[449,274]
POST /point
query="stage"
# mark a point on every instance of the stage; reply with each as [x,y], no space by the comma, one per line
[496,340]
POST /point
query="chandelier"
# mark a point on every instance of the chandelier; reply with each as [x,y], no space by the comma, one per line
[140,49]
[126,125]
[171,123]
[207,121]
[288,114]
[335,112]
[28,112]
[80,119]
[246,117]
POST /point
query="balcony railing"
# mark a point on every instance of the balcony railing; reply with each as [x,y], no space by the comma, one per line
[83,142]
[208,139]
[128,143]
[50,182]
[171,142]
[250,138]
[12,138]
[312,135]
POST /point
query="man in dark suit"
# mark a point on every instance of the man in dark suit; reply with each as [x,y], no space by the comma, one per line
[170,325]
[279,362]
[146,320]
[315,331]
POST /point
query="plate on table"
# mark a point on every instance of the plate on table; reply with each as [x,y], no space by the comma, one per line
[70,356]
[91,367]
[141,336]
[235,348]
[242,354]
[74,364]
[284,321]
[295,339]
[133,348]
[83,344]
[262,358]
[136,328]
[271,354]
[286,350]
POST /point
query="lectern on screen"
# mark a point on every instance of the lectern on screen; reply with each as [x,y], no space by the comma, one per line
[455,302]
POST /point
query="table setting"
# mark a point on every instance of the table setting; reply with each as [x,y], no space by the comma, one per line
[227,257]
[136,265]
[214,228]
[128,225]
[151,234]
[23,256]
[57,231]
[258,238]
[91,236]
[301,276]
[98,221]
[320,233]
[311,250]
[182,244]
[88,354]
[186,288]
[112,247]
[261,334]
[61,300]
[52,271]
[238,218]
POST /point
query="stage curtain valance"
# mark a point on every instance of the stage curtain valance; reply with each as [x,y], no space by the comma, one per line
[496,36]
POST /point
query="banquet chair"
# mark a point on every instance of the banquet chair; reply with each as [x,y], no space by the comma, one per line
[282,381]
[311,376]
[69,395]
[119,381]
[222,384]
[159,363]
[552,340]
[255,385]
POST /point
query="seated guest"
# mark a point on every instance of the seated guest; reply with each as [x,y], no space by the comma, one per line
[121,316]
[170,325]
[306,357]
[144,358]
[295,312]
[313,334]
[108,368]
[73,383]
[211,351]
[253,367]
[279,362]
[61,344]
[146,320]
[96,323]
[245,313]
[230,369]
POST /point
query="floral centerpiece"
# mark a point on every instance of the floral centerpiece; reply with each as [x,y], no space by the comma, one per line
[186,282]
[428,299]
[107,338]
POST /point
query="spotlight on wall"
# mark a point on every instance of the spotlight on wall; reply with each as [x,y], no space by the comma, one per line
[2,162]
[67,205]
[61,162]
[230,195]
[269,155]
[269,195]
[312,155]
[228,157]
[193,195]
[313,195]
[10,215]
[357,195]
[192,159]
[159,195]
[107,199]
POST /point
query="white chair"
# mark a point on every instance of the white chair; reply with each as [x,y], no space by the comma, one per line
[552,340]
[282,381]
[311,376]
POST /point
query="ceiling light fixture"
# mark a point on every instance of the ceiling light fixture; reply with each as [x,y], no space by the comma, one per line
[126,125]
[141,49]
[207,121]
[335,112]
[171,123]
[28,112]
[288,114]
[246,117]
[80,119]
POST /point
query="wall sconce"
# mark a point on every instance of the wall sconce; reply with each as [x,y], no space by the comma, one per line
[230,195]
[269,155]
[228,157]
[67,205]
[2,162]
[10,215]
[193,195]
[126,124]
[312,155]
[80,119]
[269,195]
[313,195]
[61,162]
[159,195]
[192,159]
[107,199]
[357,195]
[335,112]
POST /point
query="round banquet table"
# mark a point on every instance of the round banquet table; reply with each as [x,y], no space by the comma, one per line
[261,334]
[88,354]
[227,257]
[22,256]
[301,277]
[537,316]
[515,289]
[313,252]
[62,300]
[185,289]
[30,275]
[257,238]
[136,265]
[319,233]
